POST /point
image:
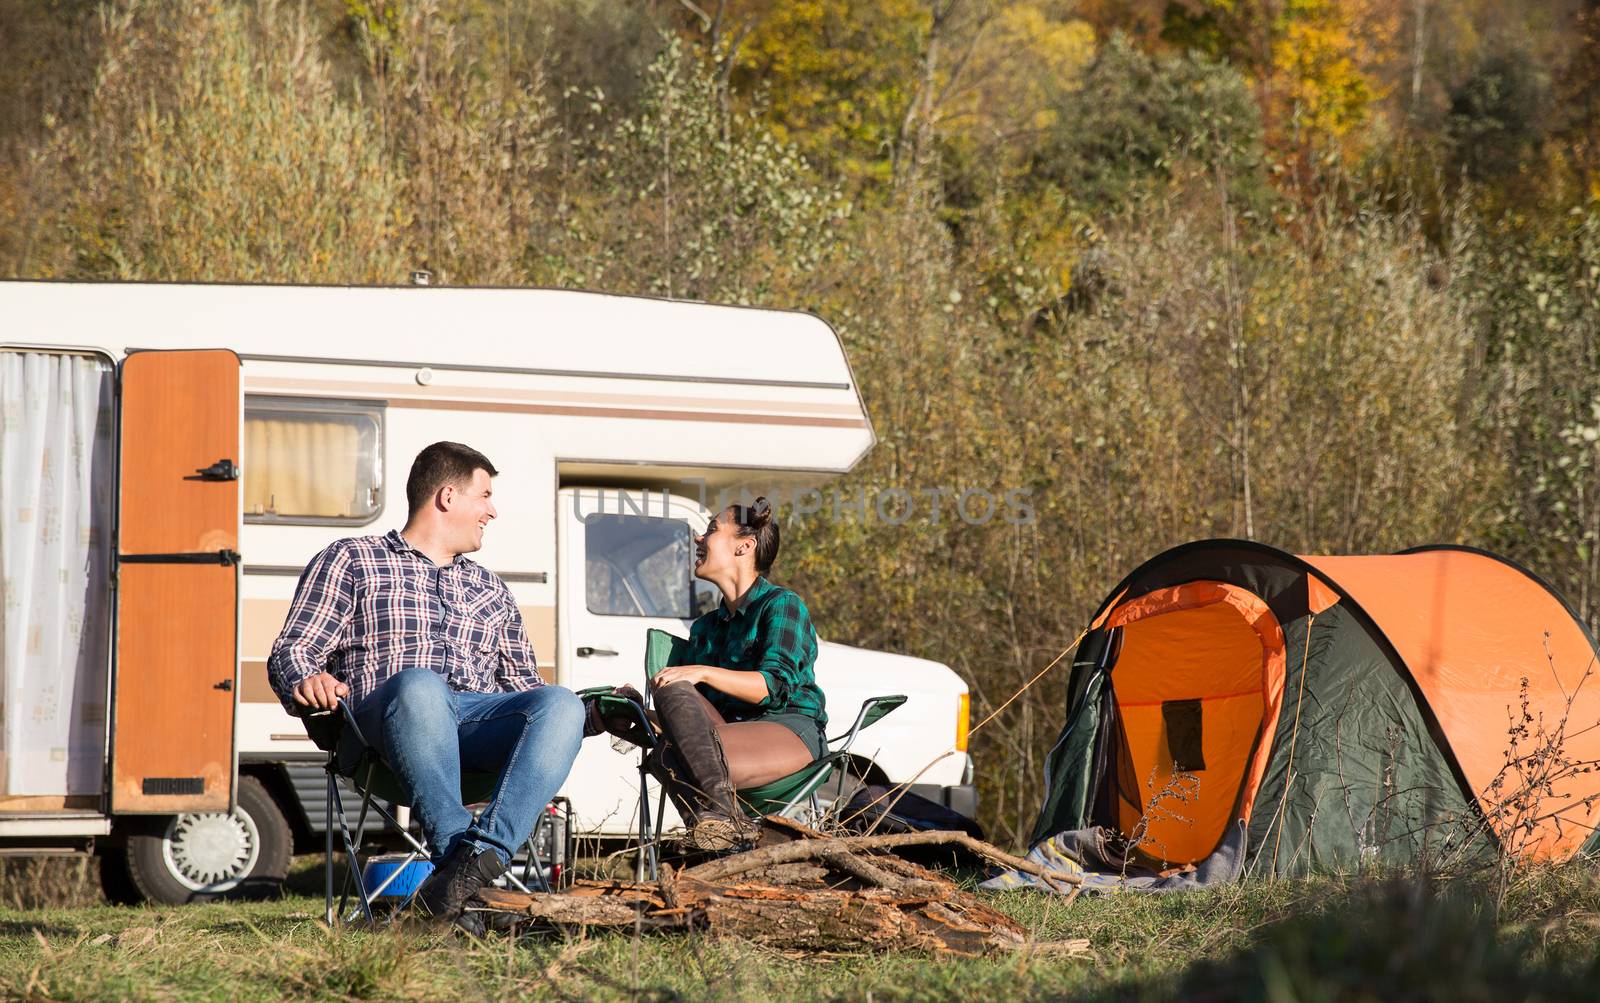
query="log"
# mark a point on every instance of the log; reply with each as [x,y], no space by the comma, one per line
[791,919]
[776,828]
[914,914]
[814,893]
[802,872]
[811,849]
[859,868]
[835,921]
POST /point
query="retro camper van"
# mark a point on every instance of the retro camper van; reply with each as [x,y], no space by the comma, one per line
[172,455]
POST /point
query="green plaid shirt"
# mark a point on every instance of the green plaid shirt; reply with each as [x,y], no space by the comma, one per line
[769,633]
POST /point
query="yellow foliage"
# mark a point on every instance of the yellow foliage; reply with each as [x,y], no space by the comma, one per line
[1319,57]
[1328,93]
[836,75]
[1047,57]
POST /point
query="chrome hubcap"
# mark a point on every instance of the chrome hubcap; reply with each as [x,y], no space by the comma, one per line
[211,851]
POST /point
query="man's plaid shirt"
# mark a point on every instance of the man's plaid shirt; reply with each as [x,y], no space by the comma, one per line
[771,633]
[369,606]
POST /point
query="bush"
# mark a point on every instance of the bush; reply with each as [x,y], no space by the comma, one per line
[1141,120]
[216,149]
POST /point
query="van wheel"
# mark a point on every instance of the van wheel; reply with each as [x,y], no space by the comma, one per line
[116,880]
[200,856]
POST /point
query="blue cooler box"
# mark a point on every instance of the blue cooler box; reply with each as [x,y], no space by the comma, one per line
[410,875]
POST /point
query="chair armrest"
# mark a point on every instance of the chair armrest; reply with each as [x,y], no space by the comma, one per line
[609,703]
[322,726]
[612,705]
[873,710]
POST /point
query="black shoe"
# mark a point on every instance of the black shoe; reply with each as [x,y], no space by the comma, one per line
[495,921]
[471,921]
[467,869]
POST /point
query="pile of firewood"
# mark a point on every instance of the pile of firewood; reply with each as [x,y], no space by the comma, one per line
[801,890]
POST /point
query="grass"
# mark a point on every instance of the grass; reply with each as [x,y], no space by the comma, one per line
[1314,939]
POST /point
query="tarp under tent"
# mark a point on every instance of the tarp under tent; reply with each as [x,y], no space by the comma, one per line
[1238,709]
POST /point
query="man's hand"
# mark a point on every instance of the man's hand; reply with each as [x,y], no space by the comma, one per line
[320,691]
[627,690]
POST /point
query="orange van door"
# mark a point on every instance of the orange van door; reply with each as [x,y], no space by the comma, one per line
[177,659]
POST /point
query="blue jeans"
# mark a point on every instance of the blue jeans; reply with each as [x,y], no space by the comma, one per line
[428,734]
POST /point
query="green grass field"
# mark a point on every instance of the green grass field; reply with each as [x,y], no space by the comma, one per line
[1316,939]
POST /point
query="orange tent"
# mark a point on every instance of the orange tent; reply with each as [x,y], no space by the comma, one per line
[1440,701]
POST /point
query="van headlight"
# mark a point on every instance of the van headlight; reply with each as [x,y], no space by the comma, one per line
[963,718]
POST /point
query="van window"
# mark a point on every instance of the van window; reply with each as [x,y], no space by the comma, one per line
[637,566]
[312,462]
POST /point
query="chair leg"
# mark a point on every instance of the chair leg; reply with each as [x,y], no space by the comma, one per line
[534,871]
[354,873]
[327,858]
[655,843]
[532,850]
[563,845]
[361,820]
[640,868]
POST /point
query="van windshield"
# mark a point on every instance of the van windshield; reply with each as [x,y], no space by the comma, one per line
[638,566]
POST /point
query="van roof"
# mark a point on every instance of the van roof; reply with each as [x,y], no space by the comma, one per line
[780,374]
[486,328]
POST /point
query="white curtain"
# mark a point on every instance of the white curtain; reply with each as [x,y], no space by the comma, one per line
[56,501]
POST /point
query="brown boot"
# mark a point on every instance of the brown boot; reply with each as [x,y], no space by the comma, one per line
[695,772]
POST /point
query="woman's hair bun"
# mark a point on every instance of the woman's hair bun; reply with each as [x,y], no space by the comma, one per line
[756,520]
[758,514]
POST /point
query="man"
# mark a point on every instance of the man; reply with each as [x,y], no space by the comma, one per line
[430,650]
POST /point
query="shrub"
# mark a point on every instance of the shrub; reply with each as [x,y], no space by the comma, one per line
[215,148]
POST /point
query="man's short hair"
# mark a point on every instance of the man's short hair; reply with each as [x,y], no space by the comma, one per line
[440,464]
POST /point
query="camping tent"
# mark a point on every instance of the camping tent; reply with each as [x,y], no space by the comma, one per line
[1343,710]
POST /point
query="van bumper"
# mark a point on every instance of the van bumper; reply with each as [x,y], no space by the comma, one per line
[961,798]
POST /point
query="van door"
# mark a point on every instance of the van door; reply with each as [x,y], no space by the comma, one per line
[176,668]
[625,559]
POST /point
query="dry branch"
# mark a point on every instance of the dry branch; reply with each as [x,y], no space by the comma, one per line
[816,894]
[809,849]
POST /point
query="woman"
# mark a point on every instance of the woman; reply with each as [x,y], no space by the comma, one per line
[744,708]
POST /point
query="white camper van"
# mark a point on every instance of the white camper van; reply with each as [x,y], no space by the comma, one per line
[172,455]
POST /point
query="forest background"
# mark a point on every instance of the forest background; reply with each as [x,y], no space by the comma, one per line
[1321,274]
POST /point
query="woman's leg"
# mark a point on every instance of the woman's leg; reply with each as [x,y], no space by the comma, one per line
[759,752]
[706,760]
[691,764]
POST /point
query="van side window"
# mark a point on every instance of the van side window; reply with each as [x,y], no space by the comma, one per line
[637,566]
[312,462]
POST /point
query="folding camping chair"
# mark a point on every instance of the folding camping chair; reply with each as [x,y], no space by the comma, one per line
[376,783]
[783,797]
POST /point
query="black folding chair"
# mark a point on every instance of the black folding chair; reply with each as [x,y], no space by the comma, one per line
[358,762]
